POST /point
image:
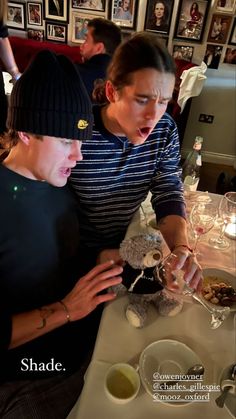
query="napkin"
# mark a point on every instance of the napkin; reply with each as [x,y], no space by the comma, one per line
[191,85]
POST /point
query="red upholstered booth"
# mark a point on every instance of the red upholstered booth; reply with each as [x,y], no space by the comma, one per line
[25,49]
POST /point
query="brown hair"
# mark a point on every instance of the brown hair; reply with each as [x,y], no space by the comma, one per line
[138,52]
[106,32]
[11,138]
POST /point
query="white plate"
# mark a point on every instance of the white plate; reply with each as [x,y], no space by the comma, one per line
[161,360]
[230,402]
[225,276]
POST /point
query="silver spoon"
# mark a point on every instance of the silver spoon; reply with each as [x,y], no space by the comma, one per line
[195,370]
[220,401]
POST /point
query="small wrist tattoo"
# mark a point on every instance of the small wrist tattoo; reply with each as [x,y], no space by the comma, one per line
[44,313]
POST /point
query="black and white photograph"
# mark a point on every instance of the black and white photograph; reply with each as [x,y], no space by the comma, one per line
[16,15]
[34,13]
[191,19]
[56,32]
[123,13]
[98,5]
[158,16]
[183,52]
[212,56]
[56,10]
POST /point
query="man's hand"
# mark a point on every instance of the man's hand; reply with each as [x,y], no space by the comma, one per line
[187,262]
[110,254]
[85,296]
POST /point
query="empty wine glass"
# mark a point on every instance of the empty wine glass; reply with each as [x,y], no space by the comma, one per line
[172,280]
[227,213]
[202,219]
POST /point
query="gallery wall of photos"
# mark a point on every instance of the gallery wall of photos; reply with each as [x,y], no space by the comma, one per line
[192,30]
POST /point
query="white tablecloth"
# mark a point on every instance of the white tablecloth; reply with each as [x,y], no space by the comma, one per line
[118,341]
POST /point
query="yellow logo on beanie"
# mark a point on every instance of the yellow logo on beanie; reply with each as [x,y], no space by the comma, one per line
[82,124]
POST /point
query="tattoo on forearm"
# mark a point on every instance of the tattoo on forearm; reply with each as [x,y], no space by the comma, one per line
[44,313]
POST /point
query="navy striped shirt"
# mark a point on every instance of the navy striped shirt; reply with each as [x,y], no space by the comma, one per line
[115,176]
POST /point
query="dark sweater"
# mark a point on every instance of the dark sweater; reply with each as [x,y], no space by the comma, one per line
[39,265]
[94,69]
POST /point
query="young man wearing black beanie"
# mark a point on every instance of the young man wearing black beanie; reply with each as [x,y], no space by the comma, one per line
[48,312]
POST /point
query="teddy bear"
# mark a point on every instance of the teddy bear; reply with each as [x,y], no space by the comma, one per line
[142,254]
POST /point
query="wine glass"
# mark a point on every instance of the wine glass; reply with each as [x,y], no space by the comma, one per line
[202,219]
[227,213]
[172,280]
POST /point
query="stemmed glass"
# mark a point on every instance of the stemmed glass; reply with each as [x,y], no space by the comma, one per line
[227,213]
[202,219]
[172,280]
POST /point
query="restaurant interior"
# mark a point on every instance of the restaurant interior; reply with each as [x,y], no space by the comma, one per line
[208,111]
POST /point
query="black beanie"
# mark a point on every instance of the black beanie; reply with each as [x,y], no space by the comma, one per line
[50,99]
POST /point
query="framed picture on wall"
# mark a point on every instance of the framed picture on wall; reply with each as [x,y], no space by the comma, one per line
[56,32]
[219,28]
[98,5]
[191,19]
[158,16]
[124,13]
[232,38]
[56,10]
[226,6]
[36,34]
[212,55]
[34,13]
[79,26]
[16,15]
[183,52]
[230,56]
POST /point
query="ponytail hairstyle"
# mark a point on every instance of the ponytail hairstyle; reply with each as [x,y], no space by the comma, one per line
[138,52]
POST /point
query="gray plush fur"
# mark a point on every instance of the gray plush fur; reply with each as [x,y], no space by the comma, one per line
[134,249]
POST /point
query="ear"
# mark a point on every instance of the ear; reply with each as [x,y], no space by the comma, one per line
[111,92]
[100,48]
[24,137]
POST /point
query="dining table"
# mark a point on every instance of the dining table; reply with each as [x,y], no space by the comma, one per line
[118,341]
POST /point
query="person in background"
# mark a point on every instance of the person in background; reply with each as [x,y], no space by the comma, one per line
[134,150]
[102,38]
[7,57]
[159,18]
[50,304]
[123,11]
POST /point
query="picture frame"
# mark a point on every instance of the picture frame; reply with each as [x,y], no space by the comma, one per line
[230,56]
[56,32]
[212,56]
[36,34]
[94,5]
[34,13]
[191,20]
[124,13]
[79,26]
[225,6]
[183,52]
[219,28]
[16,15]
[232,38]
[53,13]
[158,16]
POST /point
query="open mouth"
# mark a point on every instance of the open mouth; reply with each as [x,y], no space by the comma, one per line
[145,131]
[65,171]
